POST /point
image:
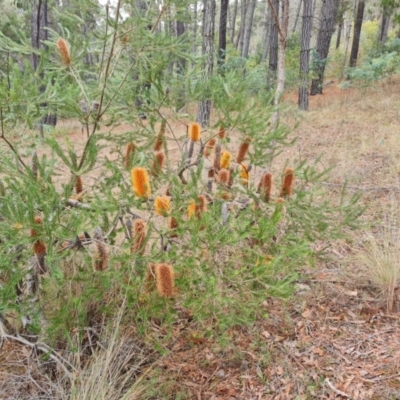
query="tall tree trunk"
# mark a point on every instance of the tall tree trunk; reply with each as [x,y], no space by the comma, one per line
[339,33]
[384,28]
[249,25]
[222,32]
[243,15]
[273,49]
[357,33]
[234,14]
[327,26]
[268,26]
[204,110]
[195,28]
[39,34]
[297,16]
[180,67]
[348,35]
[305,54]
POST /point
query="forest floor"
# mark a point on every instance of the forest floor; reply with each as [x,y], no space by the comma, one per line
[334,339]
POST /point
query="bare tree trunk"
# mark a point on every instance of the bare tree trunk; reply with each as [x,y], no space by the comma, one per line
[339,33]
[181,67]
[242,26]
[204,110]
[305,54]
[327,26]
[195,28]
[249,25]
[297,16]
[222,32]
[384,28]
[268,18]
[39,34]
[233,27]
[357,34]
[348,35]
[273,52]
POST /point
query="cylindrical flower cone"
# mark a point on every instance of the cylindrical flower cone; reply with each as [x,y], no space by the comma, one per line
[225,159]
[165,279]
[63,50]
[265,186]
[243,149]
[208,148]
[130,151]
[162,205]
[138,234]
[287,184]
[140,182]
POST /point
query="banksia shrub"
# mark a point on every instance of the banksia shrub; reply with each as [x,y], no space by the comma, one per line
[224,176]
[138,234]
[101,261]
[244,147]
[39,248]
[159,139]
[158,162]
[225,159]
[162,205]
[140,182]
[78,185]
[130,151]
[165,279]
[265,186]
[63,49]
[194,131]
[287,183]
[208,148]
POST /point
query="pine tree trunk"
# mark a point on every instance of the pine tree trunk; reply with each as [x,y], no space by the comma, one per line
[194,50]
[297,16]
[242,26]
[305,54]
[357,33]
[249,25]
[268,23]
[180,68]
[39,34]
[327,26]
[234,14]
[384,26]
[222,32]
[339,33]
[273,50]
[346,50]
[204,110]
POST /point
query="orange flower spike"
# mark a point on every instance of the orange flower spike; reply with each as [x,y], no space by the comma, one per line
[78,185]
[194,131]
[165,279]
[244,147]
[63,49]
[140,182]
[225,159]
[139,232]
[287,184]
[192,209]
[244,174]
[162,205]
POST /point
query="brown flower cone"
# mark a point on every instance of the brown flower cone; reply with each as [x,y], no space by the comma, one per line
[231,175]
[217,157]
[101,261]
[160,137]
[194,131]
[244,147]
[203,203]
[165,279]
[162,205]
[287,184]
[63,49]
[139,232]
[140,182]
[211,173]
[223,176]
[225,159]
[173,225]
[78,185]
[208,148]
[130,151]
[265,186]
[39,249]
[221,132]
[158,163]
